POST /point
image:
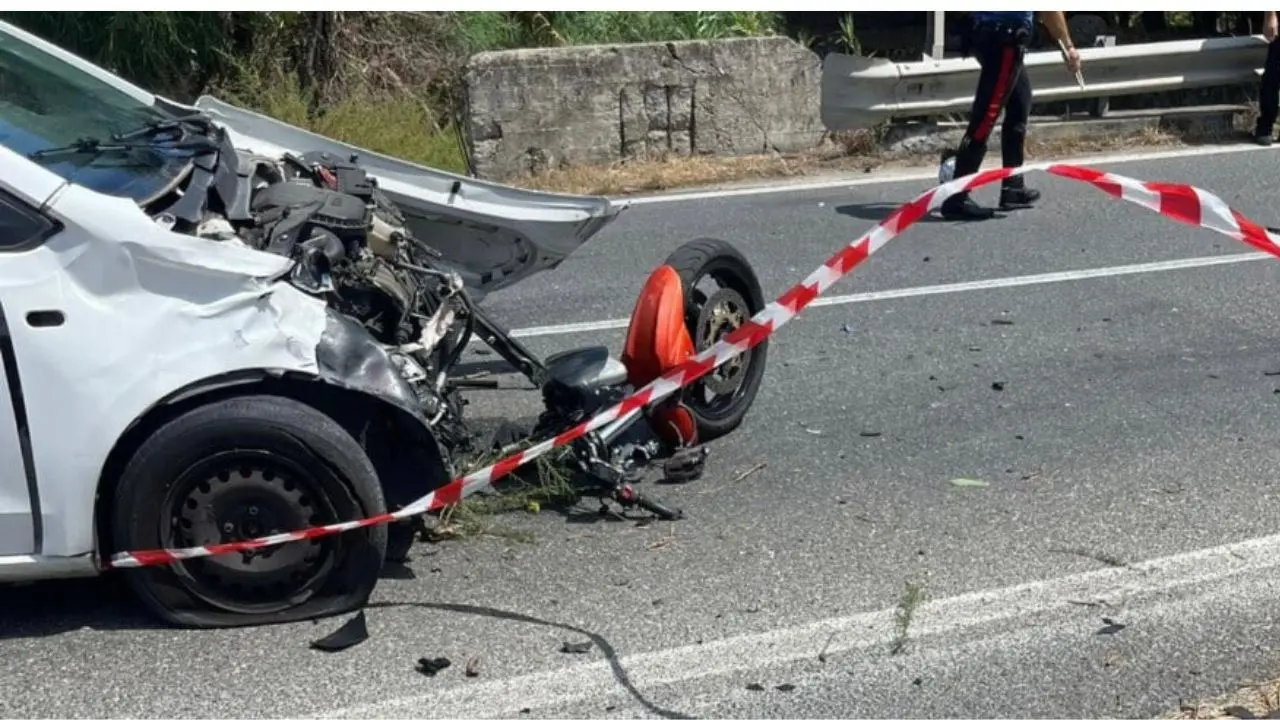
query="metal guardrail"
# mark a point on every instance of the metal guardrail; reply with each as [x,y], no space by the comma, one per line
[859,92]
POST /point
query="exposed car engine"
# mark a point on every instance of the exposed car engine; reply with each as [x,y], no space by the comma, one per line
[351,246]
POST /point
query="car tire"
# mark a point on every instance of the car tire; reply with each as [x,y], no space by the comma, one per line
[709,258]
[240,468]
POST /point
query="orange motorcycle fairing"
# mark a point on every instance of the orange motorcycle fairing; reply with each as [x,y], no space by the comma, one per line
[657,341]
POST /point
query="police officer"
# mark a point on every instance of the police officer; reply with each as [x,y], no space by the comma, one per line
[998,41]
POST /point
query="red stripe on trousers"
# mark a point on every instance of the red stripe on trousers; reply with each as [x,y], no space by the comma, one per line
[997,96]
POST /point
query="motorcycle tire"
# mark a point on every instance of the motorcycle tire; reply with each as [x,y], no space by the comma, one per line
[710,258]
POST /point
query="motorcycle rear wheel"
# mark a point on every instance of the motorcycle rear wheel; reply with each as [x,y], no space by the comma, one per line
[721,292]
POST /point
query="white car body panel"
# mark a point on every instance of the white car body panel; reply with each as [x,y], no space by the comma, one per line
[147,313]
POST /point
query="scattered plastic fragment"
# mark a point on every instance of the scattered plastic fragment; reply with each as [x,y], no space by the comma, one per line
[431,666]
[473,667]
[581,648]
[755,687]
[352,633]
[969,482]
[785,687]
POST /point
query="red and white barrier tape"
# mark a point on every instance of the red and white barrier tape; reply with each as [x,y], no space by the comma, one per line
[1184,203]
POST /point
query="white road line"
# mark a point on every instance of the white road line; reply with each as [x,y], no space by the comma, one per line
[1210,567]
[913,175]
[946,289]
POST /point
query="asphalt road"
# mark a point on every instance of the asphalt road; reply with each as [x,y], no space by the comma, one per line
[1123,421]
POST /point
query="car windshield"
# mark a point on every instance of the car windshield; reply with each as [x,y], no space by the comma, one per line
[47,103]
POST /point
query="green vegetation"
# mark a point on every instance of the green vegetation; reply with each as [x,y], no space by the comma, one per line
[390,82]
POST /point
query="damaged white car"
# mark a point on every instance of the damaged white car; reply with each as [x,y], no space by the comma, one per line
[215,326]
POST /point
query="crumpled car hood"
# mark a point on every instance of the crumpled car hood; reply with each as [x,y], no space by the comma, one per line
[494,235]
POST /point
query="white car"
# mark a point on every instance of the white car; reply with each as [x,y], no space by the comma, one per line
[166,383]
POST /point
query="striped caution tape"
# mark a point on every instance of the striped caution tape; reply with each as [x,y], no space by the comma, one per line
[1183,203]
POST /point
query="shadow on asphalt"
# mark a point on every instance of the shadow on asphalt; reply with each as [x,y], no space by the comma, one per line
[610,653]
[876,211]
[53,607]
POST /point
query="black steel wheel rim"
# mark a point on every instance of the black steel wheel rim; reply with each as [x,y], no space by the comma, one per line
[243,494]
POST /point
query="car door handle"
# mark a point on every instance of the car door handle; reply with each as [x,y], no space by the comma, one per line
[45,318]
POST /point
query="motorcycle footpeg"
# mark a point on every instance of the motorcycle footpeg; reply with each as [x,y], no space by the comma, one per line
[626,496]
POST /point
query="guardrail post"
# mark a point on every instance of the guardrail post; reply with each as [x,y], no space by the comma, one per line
[935,36]
[1099,107]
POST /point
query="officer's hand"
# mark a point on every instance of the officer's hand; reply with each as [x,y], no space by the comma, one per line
[1269,29]
[1073,60]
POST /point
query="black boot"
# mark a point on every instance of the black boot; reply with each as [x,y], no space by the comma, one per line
[1017,197]
[1263,133]
[962,207]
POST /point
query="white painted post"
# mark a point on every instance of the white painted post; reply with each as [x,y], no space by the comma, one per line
[935,36]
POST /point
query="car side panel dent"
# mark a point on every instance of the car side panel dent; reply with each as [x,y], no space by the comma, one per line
[147,312]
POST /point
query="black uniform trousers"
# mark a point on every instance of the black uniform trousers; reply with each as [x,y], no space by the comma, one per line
[1002,85]
[1269,92]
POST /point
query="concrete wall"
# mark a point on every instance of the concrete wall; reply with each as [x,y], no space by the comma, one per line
[531,110]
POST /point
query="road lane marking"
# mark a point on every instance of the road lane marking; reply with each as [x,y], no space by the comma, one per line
[947,289]
[1151,579]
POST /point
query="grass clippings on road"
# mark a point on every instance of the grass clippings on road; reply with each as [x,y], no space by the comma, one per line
[912,598]
[546,484]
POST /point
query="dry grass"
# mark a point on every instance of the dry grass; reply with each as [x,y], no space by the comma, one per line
[850,154]
[668,174]
[1259,699]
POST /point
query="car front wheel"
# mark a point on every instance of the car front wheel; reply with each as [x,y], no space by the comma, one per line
[237,469]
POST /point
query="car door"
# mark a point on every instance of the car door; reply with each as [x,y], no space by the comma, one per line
[22,227]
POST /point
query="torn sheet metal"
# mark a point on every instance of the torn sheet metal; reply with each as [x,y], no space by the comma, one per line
[147,313]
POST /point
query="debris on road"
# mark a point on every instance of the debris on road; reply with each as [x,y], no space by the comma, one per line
[738,478]
[571,648]
[685,465]
[1110,627]
[998,385]
[473,667]
[969,482]
[785,687]
[848,328]
[1101,557]
[1001,321]
[912,597]
[755,687]
[822,654]
[431,666]
[352,633]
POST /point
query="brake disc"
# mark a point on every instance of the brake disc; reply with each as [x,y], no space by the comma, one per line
[721,314]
